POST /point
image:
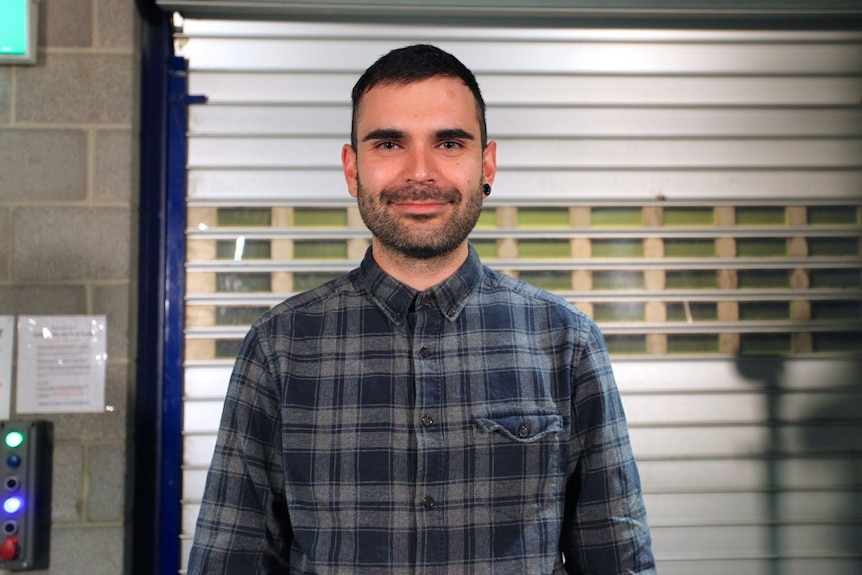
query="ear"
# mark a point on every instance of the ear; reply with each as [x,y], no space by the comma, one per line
[348,163]
[489,163]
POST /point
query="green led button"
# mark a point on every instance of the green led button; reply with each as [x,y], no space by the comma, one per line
[14,439]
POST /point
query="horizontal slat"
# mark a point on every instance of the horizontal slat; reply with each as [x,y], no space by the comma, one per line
[693,474]
[553,14]
[707,564]
[322,152]
[188,517]
[744,441]
[692,509]
[288,29]
[677,411]
[673,475]
[610,296]
[551,264]
[197,452]
[202,416]
[267,120]
[725,409]
[816,540]
[193,484]
[218,185]
[597,232]
[680,154]
[324,89]
[652,376]
[727,90]
[537,56]
[851,325]
[716,509]
[207,380]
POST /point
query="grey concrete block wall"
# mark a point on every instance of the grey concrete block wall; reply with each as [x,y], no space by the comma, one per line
[68,219]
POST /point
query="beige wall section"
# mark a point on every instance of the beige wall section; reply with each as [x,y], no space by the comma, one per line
[68,234]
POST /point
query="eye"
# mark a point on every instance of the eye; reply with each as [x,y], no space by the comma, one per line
[450,145]
[386,145]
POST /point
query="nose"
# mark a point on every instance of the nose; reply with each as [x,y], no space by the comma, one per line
[420,168]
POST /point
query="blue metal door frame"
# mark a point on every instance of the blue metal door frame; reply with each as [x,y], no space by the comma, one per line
[156,437]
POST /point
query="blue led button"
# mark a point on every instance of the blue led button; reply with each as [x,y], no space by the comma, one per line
[13,504]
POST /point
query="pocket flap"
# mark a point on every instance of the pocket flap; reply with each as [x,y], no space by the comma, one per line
[520,427]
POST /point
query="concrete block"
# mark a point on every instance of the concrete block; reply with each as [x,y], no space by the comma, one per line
[66,23]
[114,302]
[43,165]
[67,486]
[71,244]
[78,549]
[43,300]
[106,468]
[115,174]
[116,24]
[78,89]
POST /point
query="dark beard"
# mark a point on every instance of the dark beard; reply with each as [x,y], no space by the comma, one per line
[400,237]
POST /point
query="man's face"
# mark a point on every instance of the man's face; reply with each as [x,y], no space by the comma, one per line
[418,166]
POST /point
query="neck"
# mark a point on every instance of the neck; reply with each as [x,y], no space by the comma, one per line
[420,274]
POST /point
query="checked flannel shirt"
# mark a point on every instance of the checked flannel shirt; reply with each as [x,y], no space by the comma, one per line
[474,427]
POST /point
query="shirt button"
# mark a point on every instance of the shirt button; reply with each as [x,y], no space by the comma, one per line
[425,352]
[523,431]
[427,421]
[428,502]
[396,316]
[424,300]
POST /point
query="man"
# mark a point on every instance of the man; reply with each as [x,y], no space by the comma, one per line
[422,414]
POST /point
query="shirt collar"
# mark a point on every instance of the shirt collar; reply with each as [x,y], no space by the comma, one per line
[395,298]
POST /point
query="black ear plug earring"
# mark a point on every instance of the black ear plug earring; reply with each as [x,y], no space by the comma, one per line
[486,189]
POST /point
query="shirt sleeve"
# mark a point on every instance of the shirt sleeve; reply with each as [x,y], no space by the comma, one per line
[605,530]
[243,526]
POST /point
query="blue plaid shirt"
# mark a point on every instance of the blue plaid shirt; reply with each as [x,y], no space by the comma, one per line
[474,427]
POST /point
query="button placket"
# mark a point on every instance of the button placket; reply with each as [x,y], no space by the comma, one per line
[431,461]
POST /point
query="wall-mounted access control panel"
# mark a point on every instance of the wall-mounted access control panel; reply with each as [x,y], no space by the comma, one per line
[26,453]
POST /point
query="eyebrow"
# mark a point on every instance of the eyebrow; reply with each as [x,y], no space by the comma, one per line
[454,134]
[384,134]
[394,134]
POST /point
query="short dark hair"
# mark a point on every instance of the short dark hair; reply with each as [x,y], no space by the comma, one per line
[414,64]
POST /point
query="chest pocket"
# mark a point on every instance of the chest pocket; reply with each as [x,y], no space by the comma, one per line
[521,427]
[517,465]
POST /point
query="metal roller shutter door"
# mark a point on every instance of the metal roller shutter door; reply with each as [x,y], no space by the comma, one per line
[695,191]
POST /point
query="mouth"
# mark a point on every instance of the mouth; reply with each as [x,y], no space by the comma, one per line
[424,208]
[421,203]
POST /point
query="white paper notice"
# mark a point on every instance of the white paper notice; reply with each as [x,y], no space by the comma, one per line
[61,364]
[7,342]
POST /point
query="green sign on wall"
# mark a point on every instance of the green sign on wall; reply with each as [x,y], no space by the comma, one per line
[17,31]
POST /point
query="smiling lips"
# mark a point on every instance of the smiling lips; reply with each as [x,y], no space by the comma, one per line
[424,208]
[420,201]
